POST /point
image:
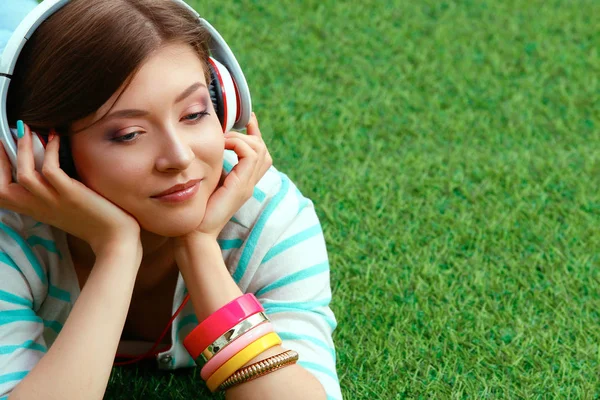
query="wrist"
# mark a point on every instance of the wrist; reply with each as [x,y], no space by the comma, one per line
[122,247]
[200,261]
[193,245]
[196,238]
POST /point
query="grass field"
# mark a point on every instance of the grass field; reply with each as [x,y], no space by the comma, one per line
[452,151]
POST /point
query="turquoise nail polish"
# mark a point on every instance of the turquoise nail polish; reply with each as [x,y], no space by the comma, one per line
[20,129]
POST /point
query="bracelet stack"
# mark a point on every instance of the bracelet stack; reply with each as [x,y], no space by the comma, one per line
[232,336]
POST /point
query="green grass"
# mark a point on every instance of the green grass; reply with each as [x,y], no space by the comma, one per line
[452,152]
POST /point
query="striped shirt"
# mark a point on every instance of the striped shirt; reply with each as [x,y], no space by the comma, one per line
[273,247]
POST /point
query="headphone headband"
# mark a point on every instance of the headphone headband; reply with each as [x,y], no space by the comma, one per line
[217,46]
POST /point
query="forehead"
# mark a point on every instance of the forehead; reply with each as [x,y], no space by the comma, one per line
[164,74]
[168,68]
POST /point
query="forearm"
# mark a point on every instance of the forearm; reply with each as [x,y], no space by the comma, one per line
[78,364]
[211,287]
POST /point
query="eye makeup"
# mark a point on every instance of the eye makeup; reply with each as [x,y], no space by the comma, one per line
[117,132]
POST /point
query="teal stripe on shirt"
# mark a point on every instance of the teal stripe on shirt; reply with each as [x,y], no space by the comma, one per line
[259,195]
[5,258]
[28,253]
[49,245]
[13,376]
[252,241]
[299,305]
[54,325]
[14,299]
[318,342]
[59,293]
[10,316]
[227,165]
[189,319]
[295,277]
[30,344]
[292,241]
[228,244]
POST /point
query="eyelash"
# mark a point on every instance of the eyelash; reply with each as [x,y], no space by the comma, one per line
[199,117]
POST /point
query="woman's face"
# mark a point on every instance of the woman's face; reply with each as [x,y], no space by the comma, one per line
[160,132]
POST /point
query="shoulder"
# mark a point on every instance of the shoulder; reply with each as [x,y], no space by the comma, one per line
[18,232]
[25,248]
[276,200]
[276,211]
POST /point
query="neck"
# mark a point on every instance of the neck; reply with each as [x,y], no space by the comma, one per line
[157,260]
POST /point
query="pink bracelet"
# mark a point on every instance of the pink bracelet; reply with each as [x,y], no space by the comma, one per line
[220,322]
[235,347]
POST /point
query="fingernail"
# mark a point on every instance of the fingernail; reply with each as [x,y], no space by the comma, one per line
[20,129]
[52,135]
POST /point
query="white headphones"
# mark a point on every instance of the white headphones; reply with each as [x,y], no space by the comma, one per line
[229,90]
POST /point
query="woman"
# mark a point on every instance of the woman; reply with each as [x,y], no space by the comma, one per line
[141,200]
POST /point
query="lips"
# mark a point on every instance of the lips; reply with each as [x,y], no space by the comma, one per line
[177,188]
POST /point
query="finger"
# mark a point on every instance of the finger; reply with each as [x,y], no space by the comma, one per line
[27,176]
[255,142]
[5,168]
[51,170]
[248,159]
[267,163]
[259,146]
[252,128]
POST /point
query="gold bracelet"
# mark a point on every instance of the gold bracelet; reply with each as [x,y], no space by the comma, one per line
[260,368]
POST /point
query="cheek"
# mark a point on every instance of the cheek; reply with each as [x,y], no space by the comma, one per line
[211,150]
[105,175]
[83,159]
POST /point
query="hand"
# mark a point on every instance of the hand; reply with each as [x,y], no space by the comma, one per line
[238,185]
[52,197]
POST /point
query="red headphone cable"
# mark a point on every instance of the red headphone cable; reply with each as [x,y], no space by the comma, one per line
[151,353]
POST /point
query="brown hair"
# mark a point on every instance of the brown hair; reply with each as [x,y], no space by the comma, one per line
[80,56]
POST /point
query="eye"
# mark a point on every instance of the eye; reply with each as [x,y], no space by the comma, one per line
[196,116]
[130,137]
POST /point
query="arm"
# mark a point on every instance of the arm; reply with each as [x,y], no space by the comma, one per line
[211,286]
[78,364]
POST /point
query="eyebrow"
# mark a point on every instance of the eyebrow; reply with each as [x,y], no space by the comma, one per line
[134,113]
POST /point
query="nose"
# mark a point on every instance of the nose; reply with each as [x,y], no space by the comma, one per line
[175,153]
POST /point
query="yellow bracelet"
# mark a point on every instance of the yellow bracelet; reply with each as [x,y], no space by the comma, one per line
[241,358]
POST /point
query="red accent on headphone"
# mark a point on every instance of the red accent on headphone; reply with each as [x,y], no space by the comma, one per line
[238,100]
[152,352]
[42,141]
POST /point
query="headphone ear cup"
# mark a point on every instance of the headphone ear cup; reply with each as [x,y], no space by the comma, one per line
[216,93]
[65,159]
[226,94]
